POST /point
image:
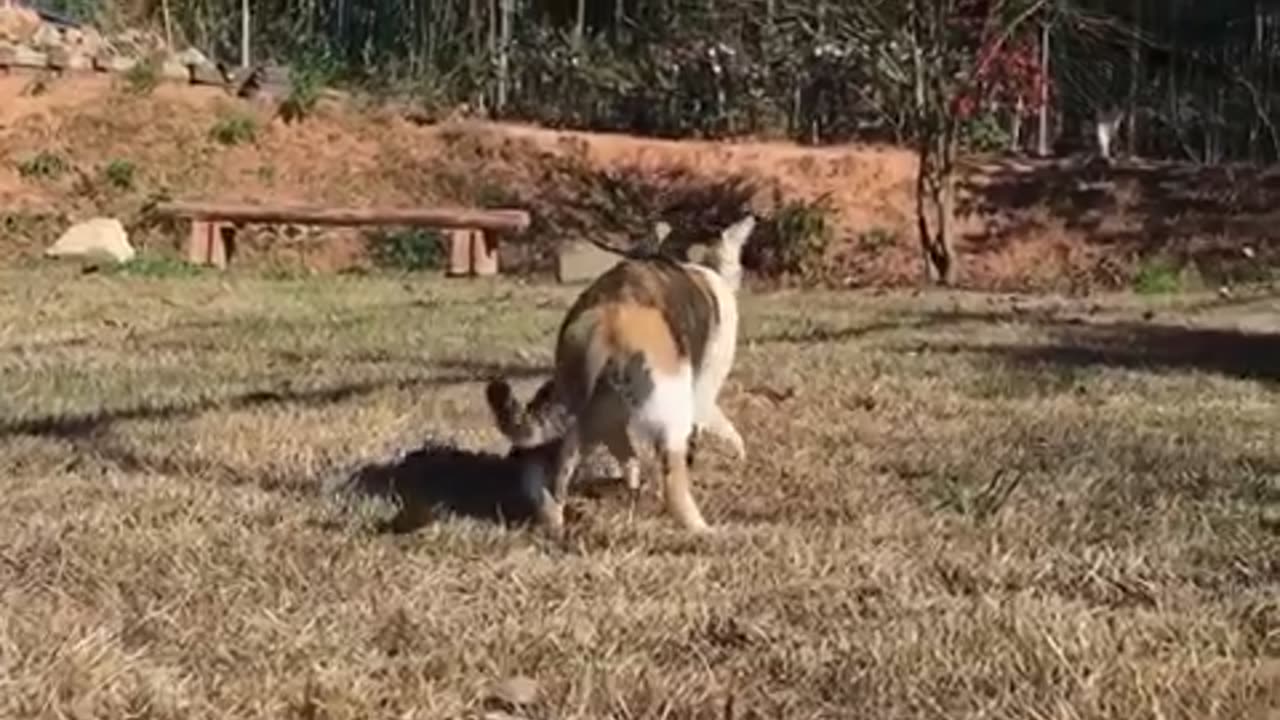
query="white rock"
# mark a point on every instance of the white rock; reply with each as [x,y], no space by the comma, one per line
[46,37]
[18,24]
[21,56]
[96,237]
[192,56]
[173,69]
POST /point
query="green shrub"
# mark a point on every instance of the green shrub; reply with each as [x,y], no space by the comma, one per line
[44,165]
[413,249]
[876,239]
[308,76]
[235,129]
[795,240]
[143,77]
[1158,276]
[120,174]
[984,133]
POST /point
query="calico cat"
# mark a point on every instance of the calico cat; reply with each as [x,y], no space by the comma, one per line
[645,347]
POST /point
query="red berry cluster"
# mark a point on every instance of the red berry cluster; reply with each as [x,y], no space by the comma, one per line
[1004,69]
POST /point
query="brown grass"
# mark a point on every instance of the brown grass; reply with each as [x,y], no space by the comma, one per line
[954,507]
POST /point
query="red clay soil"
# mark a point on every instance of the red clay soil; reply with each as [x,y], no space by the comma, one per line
[1025,225]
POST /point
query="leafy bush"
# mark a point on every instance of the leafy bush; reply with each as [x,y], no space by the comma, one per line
[312,70]
[119,174]
[1158,275]
[696,82]
[143,77]
[795,240]
[876,239]
[234,129]
[44,165]
[984,133]
[413,249]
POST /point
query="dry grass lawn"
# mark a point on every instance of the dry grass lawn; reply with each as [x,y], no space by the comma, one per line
[953,507]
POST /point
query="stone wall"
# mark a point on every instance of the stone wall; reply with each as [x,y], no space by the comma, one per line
[29,41]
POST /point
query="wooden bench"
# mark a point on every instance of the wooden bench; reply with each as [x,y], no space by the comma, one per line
[473,247]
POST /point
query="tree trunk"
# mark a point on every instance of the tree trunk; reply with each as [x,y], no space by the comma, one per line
[245,23]
[1135,74]
[1265,33]
[935,200]
[1042,134]
[935,144]
[1015,125]
[168,25]
[580,25]
[504,52]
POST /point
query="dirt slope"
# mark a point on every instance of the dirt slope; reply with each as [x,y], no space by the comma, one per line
[1024,226]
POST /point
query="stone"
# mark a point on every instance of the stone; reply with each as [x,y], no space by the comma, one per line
[192,57]
[207,75]
[136,43]
[86,41]
[581,262]
[171,68]
[18,24]
[63,58]
[47,37]
[201,69]
[21,56]
[94,238]
[106,62]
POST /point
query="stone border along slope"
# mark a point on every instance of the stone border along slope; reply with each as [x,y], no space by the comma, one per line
[35,41]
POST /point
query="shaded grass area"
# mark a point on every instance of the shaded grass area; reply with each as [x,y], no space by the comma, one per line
[228,496]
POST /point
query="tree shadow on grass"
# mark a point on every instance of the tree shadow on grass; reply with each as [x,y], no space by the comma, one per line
[1229,352]
[1197,213]
[85,424]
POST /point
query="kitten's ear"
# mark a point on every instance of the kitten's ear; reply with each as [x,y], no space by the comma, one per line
[726,250]
[498,394]
[661,230]
[734,237]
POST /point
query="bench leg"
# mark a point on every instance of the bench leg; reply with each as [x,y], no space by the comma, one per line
[198,242]
[459,253]
[207,244]
[484,253]
[472,252]
[220,249]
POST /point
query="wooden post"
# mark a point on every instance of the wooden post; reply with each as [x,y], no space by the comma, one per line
[484,254]
[206,245]
[459,252]
[219,253]
[198,242]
